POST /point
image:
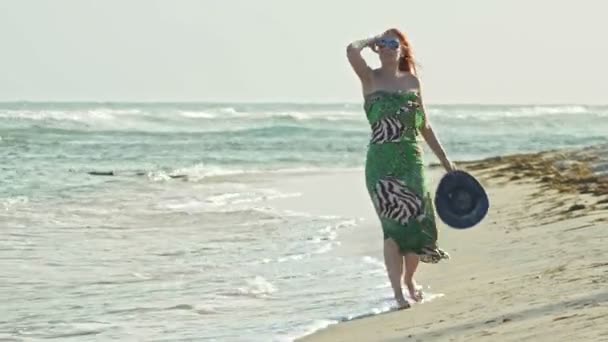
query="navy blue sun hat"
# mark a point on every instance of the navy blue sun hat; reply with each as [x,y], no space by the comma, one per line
[460,200]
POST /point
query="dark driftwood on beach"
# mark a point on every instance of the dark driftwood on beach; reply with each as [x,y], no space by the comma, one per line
[139,173]
[101,173]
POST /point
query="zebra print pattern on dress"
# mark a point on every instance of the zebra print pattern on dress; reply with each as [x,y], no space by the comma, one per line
[432,255]
[395,201]
[387,129]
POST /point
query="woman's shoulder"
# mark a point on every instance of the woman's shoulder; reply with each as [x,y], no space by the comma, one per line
[410,76]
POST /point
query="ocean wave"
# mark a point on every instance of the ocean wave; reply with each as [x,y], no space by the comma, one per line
[12,202]
[320,116]
[293,116]
[198,115]
[306,330]
[87,119]
[78,116]
[277,130]
[226,201]
[68,115]
[161,118]
[202,171]
[306,246]
[294,112]
[258,287]
[258,121]
[257,195]
[382,306]
[540,110]
[516,112]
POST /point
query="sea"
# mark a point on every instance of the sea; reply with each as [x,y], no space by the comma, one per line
[149,222]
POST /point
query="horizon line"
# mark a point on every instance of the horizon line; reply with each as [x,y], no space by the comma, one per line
[293,102]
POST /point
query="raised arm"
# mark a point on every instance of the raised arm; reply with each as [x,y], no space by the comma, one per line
[353,52]
[431,139]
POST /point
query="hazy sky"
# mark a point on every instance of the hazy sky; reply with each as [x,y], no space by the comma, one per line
[471,51]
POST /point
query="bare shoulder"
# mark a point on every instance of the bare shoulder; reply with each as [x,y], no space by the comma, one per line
[411,78]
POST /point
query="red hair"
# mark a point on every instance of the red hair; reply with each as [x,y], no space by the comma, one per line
[406,61]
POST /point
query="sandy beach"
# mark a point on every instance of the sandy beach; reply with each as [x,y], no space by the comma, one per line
[534,270]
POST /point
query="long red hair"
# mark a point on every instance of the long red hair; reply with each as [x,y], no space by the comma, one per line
[406,61]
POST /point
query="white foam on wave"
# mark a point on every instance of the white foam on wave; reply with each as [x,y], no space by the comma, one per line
[57,115]
[327,236]
[388,304]
[80,115]
[183,205]
[12,202]
[197,172]
[321,243]
[258,287]
[256,195]
[114,112]
[203,171]
[356,114]
[231,113]
[377,265]
[294,257]
[342,224]
[487,114]
[158,176]
[293,115]
[321,115]
[306,330]
[197,115]
[228,110]
[227,201]
[292,213]
[540,110]
[384,305]
[325,248]
[95,119]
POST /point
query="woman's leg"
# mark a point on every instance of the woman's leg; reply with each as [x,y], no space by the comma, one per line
[394,266]
[411,264]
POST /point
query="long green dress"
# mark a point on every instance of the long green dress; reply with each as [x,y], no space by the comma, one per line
[394,173]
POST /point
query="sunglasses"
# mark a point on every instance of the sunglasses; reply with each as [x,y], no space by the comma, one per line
[392,44]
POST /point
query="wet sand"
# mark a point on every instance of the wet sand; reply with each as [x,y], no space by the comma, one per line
[535,269]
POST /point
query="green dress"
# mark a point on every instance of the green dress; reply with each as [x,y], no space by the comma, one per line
[394,173]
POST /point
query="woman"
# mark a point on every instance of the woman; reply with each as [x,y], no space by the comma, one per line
[394,166]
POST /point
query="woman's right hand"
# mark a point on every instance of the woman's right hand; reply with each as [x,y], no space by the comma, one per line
[373,43]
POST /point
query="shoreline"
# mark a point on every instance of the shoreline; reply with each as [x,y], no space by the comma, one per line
[533,269]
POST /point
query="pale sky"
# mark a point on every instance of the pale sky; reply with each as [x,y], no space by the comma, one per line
[471,51]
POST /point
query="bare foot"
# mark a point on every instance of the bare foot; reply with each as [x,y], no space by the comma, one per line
[415,294]
[402,303]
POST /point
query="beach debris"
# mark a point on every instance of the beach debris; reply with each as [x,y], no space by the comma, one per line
[101,173]
[568,171]
[564,317]
[138,173]
[576,207]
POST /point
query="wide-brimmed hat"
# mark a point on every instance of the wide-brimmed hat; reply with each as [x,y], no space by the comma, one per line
[460,200]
